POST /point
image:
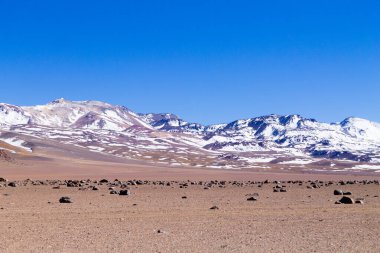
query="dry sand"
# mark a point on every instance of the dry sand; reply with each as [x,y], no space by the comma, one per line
[299,220]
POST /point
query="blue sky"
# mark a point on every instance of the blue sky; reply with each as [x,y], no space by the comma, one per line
[207,61]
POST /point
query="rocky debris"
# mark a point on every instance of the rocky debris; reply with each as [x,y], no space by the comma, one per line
[184,197]
[338,192]
[94,188]
[124,192]
[347,193]
[65,200]
[279,188]
[345,200]
[103,181]
[214,208]
[3,180]
[57,187]
[73,183]
[252,199]
[113,192]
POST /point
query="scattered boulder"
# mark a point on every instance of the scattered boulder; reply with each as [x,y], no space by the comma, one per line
[65,200]
[103,181]
[113,192]
[2,180]
[346,200]
[251,199]
[12,184]
[347,193]
[124,192]
[338,192]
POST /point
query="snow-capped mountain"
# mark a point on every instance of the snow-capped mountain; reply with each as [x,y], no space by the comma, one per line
[167,139]
[69,114]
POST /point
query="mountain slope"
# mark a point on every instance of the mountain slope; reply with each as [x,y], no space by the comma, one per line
[116,131]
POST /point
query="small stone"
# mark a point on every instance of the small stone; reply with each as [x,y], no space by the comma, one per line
[184,197]
[214,208]
[113,192]
[359,201]
[94,188]
[251,199]
[103,181]
[65,200]
[347,193]
[283,190]
[338,192]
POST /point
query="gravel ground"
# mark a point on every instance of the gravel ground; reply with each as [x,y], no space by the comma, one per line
[158,218]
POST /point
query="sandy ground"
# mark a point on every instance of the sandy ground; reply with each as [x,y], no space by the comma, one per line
[299,220]
[63,168]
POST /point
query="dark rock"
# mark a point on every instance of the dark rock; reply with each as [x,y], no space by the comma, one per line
[346,200]
[113,192]
[338,192]
[347,193]
[65,200]
[124,192]
[214,208]
[251,199]
[139,182]
[12,184]
[103,181]
[359,201]
[184,197]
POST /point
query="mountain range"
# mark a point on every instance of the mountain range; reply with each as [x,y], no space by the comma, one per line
[115,132]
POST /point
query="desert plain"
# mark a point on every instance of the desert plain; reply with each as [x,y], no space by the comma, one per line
[184,210]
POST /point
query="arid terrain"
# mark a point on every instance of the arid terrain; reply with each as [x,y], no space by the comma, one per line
[174,215]
[264,184]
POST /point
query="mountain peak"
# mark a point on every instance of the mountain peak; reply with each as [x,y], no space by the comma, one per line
[59,101]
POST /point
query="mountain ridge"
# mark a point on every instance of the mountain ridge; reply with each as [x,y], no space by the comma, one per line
[103,126]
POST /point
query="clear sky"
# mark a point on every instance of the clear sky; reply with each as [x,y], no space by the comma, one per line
[207,61]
